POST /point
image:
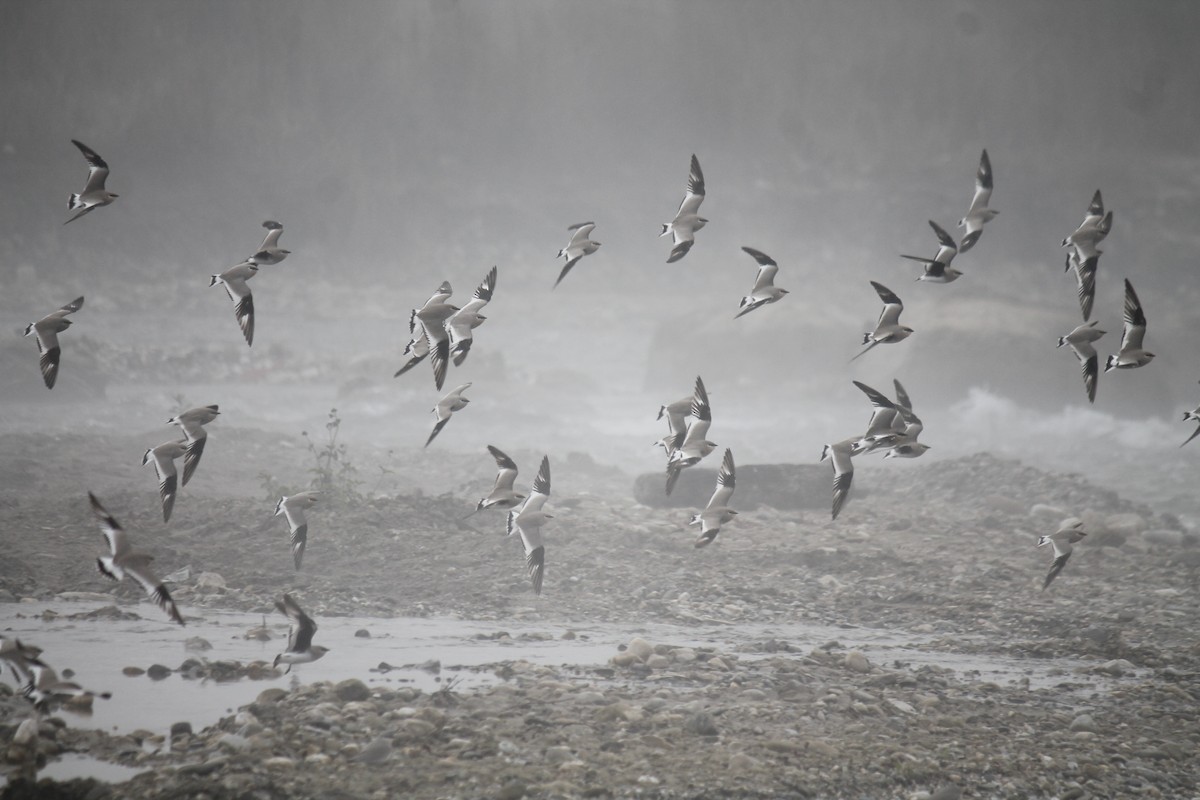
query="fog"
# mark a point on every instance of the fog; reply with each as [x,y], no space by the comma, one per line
[403,144]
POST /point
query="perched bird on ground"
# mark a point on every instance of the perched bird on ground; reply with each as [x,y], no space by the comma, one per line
[192,423]
[528,520]
[417,348]
[460,324]
[717,512]
[1085,278]
[124,560]
[1193,415]
[269,252]
[300,649]
[48,691]
[94,194]
[1132,354]
[695,445]
[1095,226]
[234,280]
[502,494]
[163,457]
[979,214]
[839,455]
[46,331]
[1061,540]
[888,330]
[293,508]
[687,221]
[581,245]
[1081,341]
[454,401]
[764,291]
[938,269]
[676,414]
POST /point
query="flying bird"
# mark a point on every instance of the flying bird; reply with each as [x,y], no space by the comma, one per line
[47,690]
[1193,415]
[234,280]
[123,560]
[839,455]
[461,323]
[695,445]
[881,429]
[528,520]
[269,252]
[46,331]
[1132,354]
[687,221]
[293,508]
[192,423]
[1061,540]
[1081,342]
[432,317]
[979,214]
[764,291]
[417,348]
[908,427]
[938,269]
[163,457]
[581,245]
[1085,277]
[1095,226]
[300,649]
[21,659]
[502,494]
[94,194]
[717,512]
[888,330]
[676,414]
[454,401]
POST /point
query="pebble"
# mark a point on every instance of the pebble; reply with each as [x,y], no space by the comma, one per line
[351,689]
[657,661]
[1083,722]
[856,661]
[640,648]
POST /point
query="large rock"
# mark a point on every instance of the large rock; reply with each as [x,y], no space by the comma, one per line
[777,485]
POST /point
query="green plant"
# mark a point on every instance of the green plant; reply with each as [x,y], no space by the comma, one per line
[333,474]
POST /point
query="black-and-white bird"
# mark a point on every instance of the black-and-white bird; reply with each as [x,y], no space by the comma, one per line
[300,649]
[581,245]
[938,269]
[418,346]
[1193,415]
[764,291]
[717,512]
[502,495]
[94,194]
[293,507]
[46,331]
[21,659]
[840,455]
[461,323]
[1085,279]
[123,560]
[1132,353]
[163,457]
[888,330]
[979,214]
[234,280]
[192,423]
[908,427]
[1081,341]
[687,219]
[1095,226]
[882,428]
[676,414]
[454,401]
[432,317]
[48,691]
[528,521]
[269,252]
[1062,541]
[696,444]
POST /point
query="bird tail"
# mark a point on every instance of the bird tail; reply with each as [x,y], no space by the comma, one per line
[73,202]
[29,330]
[666,229]
[213,281]
[1062,340]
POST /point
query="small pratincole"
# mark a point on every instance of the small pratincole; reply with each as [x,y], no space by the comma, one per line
[300,649]
[47,691]
[163,457]
[1085,278]
[687,219]
[839,455]
[460,324]
[94,194]
[528,520]
[1081,342]
[888,330]
[979,214]
[454,401]
[938,269]
[764,291]
[676,414]
[192,423]
[581,245]
[1193,415]
[124,560]
[433,316]
[293,508]
[717,512]
[1132,354]
[417,348]
[1071,532]
[46,331]
[269,252]
[1095,226]
[502,494]
[695,444]
[234,280]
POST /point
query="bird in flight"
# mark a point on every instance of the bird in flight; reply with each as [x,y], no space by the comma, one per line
[46,331]
[269,252]
[528,520]
[1132,353]
[938,269]
[192,423]
[888,330]
[293,508]
[764,291]
[717,512]
[234,280]
[461,323]
[581,245]
[687,219]
[94,194]
[163,457]
[979,214]
[454,401]
[123,560]
[1061,540]
[502,494]
[300,649]
[1081,340]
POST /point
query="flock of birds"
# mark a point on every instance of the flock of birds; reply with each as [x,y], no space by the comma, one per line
[444,332]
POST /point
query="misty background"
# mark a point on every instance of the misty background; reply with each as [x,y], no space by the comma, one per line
[403,144]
